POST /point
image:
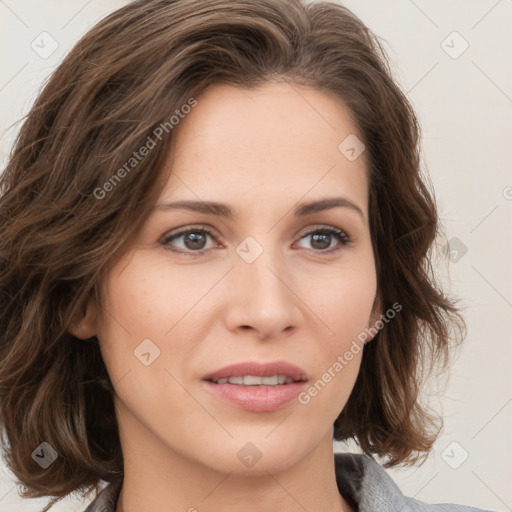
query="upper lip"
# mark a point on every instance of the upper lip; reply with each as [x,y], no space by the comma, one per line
[259,369]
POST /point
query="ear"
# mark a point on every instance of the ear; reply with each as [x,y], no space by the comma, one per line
[83,324]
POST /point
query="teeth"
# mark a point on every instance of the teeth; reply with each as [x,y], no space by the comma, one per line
[255,380]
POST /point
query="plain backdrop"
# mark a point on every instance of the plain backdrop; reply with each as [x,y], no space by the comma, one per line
[453,59]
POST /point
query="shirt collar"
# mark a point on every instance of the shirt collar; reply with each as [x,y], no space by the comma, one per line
[366,485]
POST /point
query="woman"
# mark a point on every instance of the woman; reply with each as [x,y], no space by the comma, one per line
[214,261]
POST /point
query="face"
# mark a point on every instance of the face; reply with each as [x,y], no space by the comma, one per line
[200,290]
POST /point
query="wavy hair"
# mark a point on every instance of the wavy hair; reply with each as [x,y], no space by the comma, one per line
[126,77]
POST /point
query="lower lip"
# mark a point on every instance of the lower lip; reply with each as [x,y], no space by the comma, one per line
[256,398]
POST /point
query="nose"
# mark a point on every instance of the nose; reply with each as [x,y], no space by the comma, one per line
[263,296]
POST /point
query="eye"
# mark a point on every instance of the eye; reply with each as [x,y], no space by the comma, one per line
[194,239]
[322,238]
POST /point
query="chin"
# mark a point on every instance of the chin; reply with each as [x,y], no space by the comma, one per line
[256,455]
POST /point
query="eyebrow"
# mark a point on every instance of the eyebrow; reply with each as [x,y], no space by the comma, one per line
[224,210]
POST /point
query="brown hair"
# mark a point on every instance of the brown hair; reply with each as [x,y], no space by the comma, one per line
[59,233]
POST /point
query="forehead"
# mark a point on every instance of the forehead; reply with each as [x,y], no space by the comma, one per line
[277,142]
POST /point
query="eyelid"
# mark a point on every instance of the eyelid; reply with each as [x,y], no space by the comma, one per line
[346,240]
[320,227]
[186,229]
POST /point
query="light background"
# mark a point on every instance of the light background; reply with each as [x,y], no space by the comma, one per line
[465,108]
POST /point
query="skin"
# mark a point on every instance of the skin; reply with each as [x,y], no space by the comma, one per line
[260,151]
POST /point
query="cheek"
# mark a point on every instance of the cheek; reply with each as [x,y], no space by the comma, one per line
[344,304]
[339,351]
[134,312]
[341,312]
[145,299]
[143,303]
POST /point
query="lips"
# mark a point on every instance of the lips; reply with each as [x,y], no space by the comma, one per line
[259,369]
[260,398]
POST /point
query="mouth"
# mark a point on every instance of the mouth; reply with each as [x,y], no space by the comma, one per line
[253,373]
[256,380]
[255,386]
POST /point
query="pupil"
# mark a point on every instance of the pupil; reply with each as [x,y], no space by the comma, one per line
[326,237]
[195,241]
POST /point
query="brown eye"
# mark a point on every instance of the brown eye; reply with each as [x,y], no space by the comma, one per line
[321,239]
[193,240]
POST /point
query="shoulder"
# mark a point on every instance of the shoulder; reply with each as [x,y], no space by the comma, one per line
[367,484]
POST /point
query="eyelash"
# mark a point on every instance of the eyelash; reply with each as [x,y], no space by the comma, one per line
[340,235]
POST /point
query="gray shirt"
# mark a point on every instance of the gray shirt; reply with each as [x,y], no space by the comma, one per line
[364,484]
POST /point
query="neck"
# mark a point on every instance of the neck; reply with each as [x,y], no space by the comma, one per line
[156,482]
